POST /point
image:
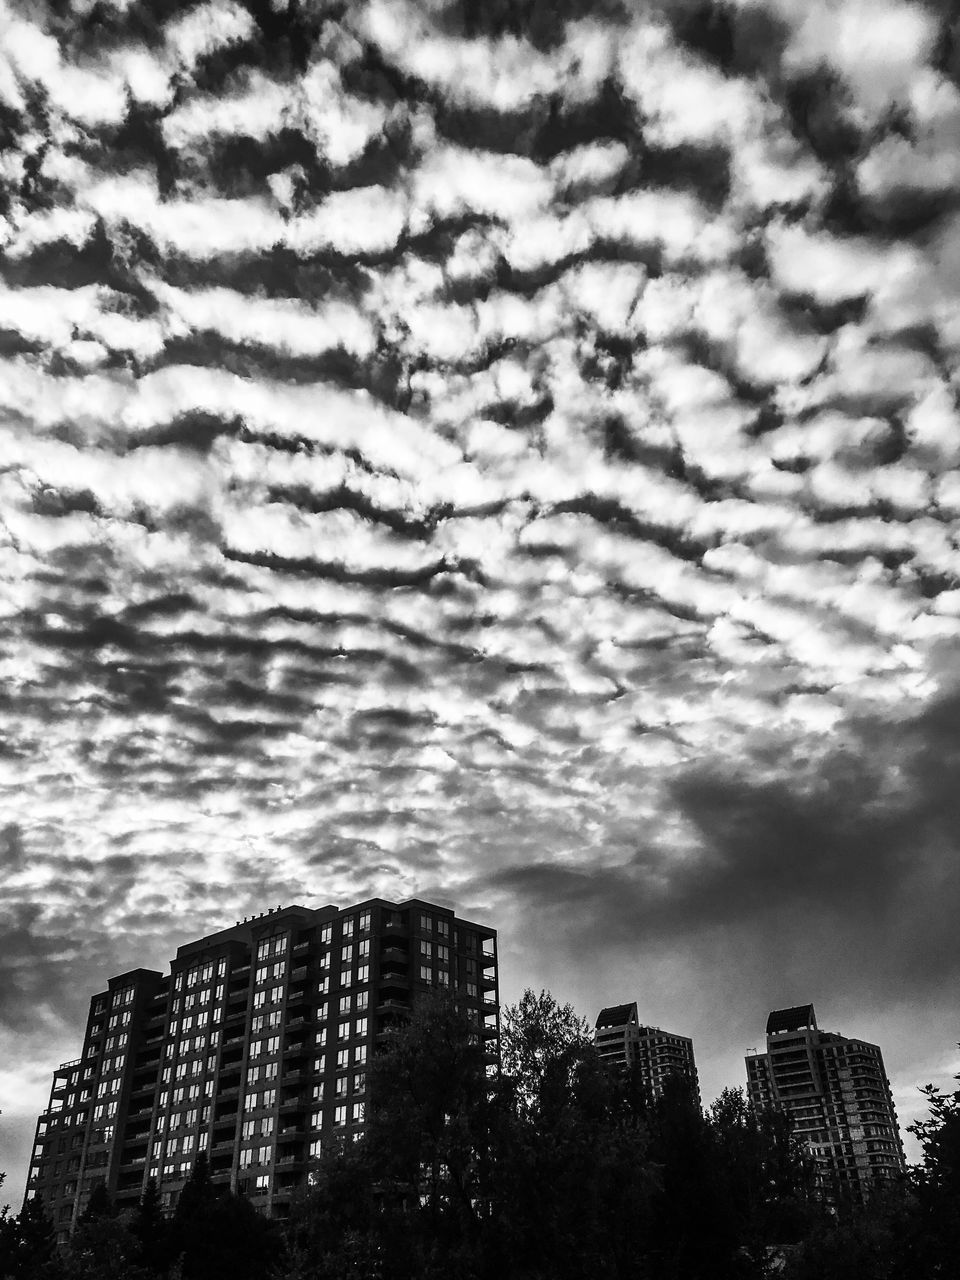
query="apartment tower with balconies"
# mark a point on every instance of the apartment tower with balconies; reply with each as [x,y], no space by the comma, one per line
[623,1042]
[837,1095]
[253,1049]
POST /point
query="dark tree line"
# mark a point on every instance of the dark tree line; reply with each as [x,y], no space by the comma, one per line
[552,1169]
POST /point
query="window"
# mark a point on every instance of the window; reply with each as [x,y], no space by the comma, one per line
[363,973]
[341,1086]
[344,1005]
[360,1054]
[357,1112]
[343,1031]
[426,973]
[344,977]
[263,1182]
[340,1115]
[361,1028]
[363,1000]
[443,954]
[326,934]
[425,924]
[346,954]
[363,923]
[363,949]
[316,1148]
[343,1058]
[443,928]
[359,1082]
[426,950]
[348,926]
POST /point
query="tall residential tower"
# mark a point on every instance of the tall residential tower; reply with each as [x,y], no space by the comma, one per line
[253,1049]
[837,1096]
[621,1041]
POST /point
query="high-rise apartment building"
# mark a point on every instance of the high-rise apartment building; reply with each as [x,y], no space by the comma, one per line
[622,1041]
[837,1096]
[254,1049]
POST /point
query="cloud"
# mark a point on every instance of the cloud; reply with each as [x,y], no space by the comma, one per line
[491,453]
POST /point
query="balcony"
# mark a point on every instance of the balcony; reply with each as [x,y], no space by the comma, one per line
[398,955]
[296,1102]
[391,1006]
[394,978]
[300,973]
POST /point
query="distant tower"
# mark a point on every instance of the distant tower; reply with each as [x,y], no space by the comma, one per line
[621,1041]
[837,1096]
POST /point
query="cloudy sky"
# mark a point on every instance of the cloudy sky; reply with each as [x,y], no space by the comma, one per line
[505,452]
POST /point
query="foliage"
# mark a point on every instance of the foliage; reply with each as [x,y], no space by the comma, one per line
[552,1169]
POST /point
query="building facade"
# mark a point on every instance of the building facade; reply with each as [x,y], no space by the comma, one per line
[837,1096]
[623,1042]
[254,1049]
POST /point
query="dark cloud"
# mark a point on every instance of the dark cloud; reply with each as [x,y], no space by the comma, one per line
[841,872]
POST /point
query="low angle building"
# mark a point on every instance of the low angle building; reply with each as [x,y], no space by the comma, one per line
[254,1049]
[622,1041]
[837,1095]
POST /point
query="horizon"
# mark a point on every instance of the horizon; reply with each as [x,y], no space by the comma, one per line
[507,454]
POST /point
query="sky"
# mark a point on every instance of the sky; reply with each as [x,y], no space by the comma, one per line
[499,451]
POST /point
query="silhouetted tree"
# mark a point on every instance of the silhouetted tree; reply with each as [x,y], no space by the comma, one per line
[34,1240]
[150,1232]
[937,1183]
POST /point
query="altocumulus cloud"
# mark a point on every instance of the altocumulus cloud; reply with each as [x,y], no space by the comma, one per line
[502,452]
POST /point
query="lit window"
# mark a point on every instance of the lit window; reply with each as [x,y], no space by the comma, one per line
[344,977]
[263,1182]
[340,1115]
[344,1005]
[348,926]
[346,954]
[363,924]
[425,926]
[363,973]
[363,1000]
